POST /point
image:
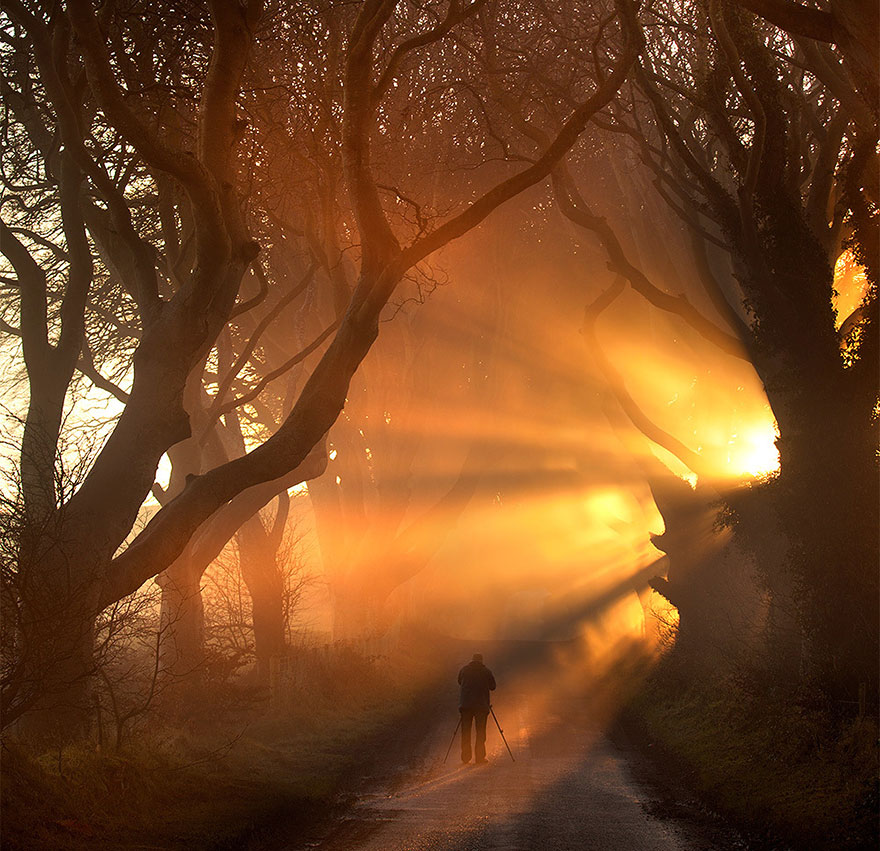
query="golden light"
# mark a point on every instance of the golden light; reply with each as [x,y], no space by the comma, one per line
[753,450]
[850,286]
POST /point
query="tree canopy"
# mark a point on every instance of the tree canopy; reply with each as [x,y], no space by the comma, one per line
[212,211]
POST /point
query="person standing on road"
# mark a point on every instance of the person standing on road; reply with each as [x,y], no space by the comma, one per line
[476,682]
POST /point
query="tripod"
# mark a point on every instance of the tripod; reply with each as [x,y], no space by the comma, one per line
[495,718]
[502,732]
[452,740]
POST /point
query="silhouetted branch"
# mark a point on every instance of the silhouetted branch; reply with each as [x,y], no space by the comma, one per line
[573,206]
[615,381]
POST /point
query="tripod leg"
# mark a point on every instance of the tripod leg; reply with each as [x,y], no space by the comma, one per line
[452,741]
[502,733]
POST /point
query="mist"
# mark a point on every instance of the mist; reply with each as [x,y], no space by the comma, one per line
[439,425]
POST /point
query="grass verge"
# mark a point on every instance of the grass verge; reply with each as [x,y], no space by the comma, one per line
[788,775]
[226,785]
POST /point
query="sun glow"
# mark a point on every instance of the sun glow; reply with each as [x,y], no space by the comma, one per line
[753,451]
[850,286]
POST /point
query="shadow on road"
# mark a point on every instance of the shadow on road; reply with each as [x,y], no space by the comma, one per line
[570,787]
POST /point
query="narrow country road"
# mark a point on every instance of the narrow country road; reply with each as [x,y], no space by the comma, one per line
[570,789]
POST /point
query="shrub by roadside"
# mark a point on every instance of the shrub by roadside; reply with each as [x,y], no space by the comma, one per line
[220,784]
[784,772]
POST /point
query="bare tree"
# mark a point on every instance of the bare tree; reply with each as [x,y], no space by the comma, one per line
[185,138]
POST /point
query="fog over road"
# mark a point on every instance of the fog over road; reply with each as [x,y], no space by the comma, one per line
[570,789]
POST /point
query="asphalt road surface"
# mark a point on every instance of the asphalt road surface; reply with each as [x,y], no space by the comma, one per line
[570,789]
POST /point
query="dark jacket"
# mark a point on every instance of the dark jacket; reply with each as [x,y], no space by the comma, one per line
[476,682]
